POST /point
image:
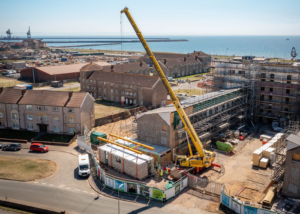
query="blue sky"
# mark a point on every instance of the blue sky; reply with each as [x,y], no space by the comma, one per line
[162,17]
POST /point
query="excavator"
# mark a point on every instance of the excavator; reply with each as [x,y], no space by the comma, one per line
[204,158]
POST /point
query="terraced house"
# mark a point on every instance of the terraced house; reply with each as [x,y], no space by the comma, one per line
[132,89]
[46,111]
[178,65]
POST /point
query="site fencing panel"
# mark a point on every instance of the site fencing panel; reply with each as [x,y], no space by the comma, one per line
[241,207]
[137,188]
[203,184]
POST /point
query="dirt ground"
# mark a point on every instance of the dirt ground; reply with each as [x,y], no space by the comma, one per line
[26,169]
[122,128]
[238,171]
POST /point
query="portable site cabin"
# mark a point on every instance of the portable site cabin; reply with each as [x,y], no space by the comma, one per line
[161,155]
[126,161]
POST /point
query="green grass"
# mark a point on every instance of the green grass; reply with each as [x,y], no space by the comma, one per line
[56,138]
[25,169]
[104,108]
[192,77]
[75,89]
[189,92]
[14,134]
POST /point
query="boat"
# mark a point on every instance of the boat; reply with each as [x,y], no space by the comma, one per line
[287,39]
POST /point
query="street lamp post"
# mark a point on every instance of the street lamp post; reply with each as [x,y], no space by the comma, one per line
[119,197]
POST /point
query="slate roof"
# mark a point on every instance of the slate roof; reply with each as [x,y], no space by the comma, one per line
[42,97]
[10,95]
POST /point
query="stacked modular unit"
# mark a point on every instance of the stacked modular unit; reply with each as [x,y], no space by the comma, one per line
[133,164]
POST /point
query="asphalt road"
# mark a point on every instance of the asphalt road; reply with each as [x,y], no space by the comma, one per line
[67,174]
[65,190]
[71,201]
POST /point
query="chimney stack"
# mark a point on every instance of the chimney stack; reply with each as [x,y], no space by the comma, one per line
[184,59]
[165,61]
[199,53]
[141,64]
[196,57]
[70,94]
[1,90]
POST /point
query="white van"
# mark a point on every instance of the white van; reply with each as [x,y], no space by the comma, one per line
[83,165]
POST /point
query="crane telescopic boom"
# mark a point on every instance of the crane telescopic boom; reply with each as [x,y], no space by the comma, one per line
[187,124]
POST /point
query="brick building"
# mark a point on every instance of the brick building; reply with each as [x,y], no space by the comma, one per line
[54,73]
[134,89]
[57,112]
[210,115]
[291,181]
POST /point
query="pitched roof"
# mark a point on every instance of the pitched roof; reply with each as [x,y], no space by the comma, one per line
[124,78]
[127,67]
[175,62]
[10,95]
[65,69]
[293,141]
[77,99]
[162,55]
[91,67]
[52,98]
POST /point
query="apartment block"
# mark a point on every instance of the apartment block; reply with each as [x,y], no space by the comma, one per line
[46,111]
[132,89]
[210,115]
[273,88]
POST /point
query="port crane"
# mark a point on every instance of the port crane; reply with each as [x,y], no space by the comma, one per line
[204,158]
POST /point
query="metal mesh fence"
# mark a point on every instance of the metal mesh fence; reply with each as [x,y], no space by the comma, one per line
[204,184]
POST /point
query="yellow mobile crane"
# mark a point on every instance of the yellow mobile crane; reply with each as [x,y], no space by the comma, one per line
[203,158]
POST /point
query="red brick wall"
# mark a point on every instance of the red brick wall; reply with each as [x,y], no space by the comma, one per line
[41,76]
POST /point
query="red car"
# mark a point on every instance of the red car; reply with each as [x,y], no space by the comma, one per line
[38,147]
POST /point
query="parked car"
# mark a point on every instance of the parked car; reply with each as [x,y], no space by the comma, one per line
[12,147]
[181,81]
[170,79]
[1,146]
[38,147]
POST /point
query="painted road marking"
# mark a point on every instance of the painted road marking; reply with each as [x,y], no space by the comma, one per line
[61,186]
[36,182]
[44,183]
[85,191]
[93,193]
[77,190]
[68,188]
[51,185]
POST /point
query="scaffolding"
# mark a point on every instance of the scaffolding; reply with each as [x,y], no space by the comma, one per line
[273,88]
[213,117]
[280,151]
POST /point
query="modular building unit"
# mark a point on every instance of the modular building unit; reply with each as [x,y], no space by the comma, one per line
[123,160]
[161,154]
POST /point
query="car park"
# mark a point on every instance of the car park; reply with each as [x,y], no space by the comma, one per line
[38,147]
[12,147]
